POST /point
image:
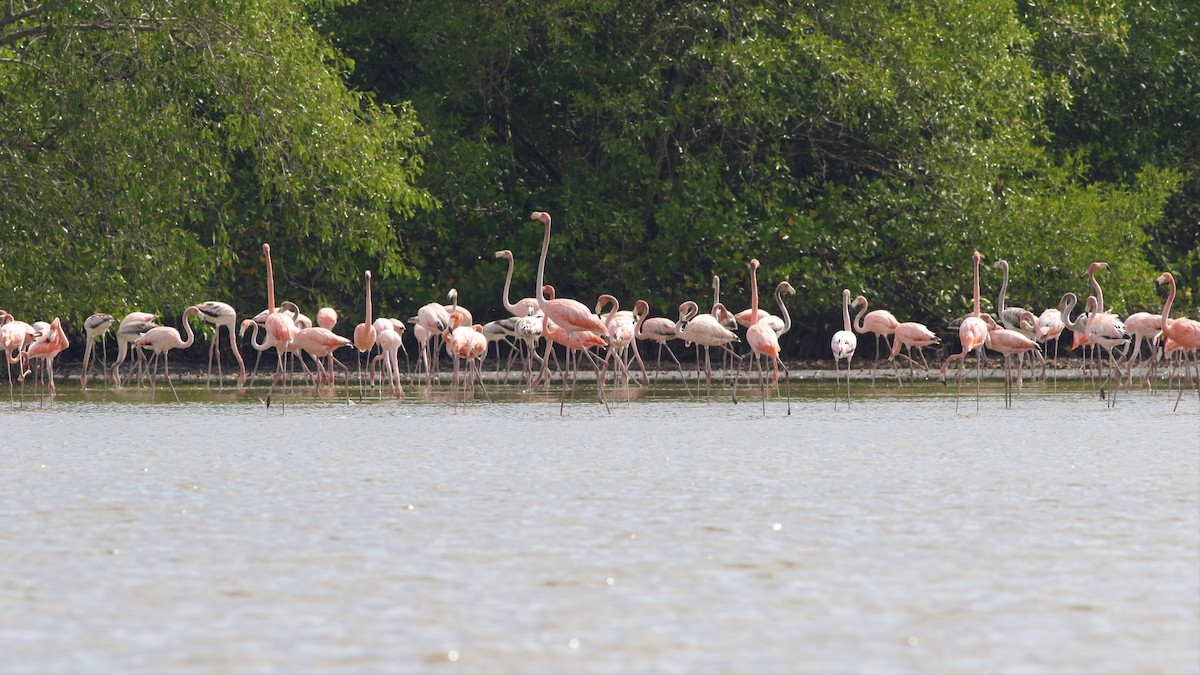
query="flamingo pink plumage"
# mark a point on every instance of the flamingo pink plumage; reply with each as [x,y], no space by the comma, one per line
[843,344]
[972,335]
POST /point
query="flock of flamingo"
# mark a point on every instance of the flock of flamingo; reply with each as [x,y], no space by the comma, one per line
[580,329]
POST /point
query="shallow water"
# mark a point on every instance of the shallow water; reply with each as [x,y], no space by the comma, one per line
[667,536]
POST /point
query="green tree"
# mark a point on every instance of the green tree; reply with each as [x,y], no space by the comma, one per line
[853,144]
[146,154]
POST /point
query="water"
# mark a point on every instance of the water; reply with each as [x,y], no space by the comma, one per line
[670,536]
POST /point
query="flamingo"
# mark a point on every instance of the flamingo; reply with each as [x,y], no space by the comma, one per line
[132,327]
[1143,326]
[661,330]
[910,334]
[1050,327]
[523,306]
[390,341]
[878,321]
[15,335]
[1009,343]
[528,329]
[763,341]
[972,335]
[572,315]
[48,344]
[843,344]
[280,326]
[319,343]
[161,340]
[365,334]
[577,341]
[1183,332]
[221,314]
[466,342]
[95,326]
[1104,329]
[706,330]
[434,319]
[622,331]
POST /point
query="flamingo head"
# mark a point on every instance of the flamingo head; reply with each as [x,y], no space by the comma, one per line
[1166,278]
[548,291]
[266,248]
[506,254]
[975,257]
[754,265]
[605,300]
[1096,267]
[1001,264]
[860,301]
[540,215]
[785,287]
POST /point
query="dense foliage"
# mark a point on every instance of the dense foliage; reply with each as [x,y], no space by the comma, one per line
[860,145]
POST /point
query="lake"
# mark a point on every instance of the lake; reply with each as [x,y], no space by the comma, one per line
[672,535]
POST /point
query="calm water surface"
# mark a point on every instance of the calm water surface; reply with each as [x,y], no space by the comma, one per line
[670,536]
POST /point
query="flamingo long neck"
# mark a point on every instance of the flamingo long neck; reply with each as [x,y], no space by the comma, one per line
[1065,307]
[689,311]
[846,310]
[753,294]
[858,318]
[977,313]
[1003,287]
[612,313]
[368,317]
[716,290]
[1166,313]
[187,327]
[512,309]
[1099,293]
[270,281]
[787,318]
[541,277]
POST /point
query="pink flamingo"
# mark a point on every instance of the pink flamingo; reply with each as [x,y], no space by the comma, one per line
[280,326]
[469,343]
[878,321]
[843,344]
[909,335]
[49,344]
[390,341]
[1009,343]
[706,330]
[572,315]
[320,343]
[161,340]
[622,331]
[972,334]
[1183,332]
[1143,326]
[763,341]
[573,342]
[15,335]
[1050,327]
[95,326]
[221,315]
[661,330]
[434,318]
[365,333]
